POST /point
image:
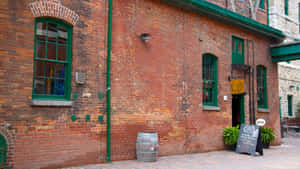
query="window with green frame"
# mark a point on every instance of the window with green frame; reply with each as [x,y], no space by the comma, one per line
[237,50]
[261,79]
[210,80]
[286,7]
[52,59]
[262,4]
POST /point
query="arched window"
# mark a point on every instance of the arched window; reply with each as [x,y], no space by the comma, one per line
[261,79]
[3,151]
[52,59]
[210,80]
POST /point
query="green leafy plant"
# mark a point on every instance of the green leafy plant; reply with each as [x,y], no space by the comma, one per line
[267,134]
[231,135]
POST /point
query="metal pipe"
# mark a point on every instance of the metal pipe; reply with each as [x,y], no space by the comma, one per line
[268,19]
[253,90]
[249,80]
[108,83]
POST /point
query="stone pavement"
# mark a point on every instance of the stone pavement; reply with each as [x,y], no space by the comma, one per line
[286,156]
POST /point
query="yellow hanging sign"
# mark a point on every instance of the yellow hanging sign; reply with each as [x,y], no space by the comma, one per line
[237,86]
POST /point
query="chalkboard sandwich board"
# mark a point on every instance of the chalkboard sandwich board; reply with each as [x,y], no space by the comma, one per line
[249,140]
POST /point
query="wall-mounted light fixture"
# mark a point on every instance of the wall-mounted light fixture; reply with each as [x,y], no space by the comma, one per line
[145,37]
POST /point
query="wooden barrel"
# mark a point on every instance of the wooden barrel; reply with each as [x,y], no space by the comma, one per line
[146,147]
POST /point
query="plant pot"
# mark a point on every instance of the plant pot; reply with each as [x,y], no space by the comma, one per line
[266,145]
[231,147]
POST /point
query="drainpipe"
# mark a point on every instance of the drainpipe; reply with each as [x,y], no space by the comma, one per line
[108,85]
[268,15]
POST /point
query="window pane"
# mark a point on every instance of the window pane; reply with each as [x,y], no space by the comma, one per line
[60,87]
[208,92]
[52,32]
[51,51]
[49,86]
[240,47]
[62,53]
[50,68]
[260,99]
[60,70]
[41,31]
[62,35]
[39,85]
[40,50]
[39,68]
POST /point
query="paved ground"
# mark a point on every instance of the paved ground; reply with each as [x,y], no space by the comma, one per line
[286,156]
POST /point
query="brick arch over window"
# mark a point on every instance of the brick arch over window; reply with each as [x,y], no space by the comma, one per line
[53,8]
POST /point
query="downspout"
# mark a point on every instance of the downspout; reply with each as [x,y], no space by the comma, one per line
[268,15]
[108,83]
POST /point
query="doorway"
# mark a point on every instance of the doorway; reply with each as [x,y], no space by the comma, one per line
[238,110]
[3,149]
[290,105]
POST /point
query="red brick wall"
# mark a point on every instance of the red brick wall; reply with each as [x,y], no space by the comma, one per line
[156,86]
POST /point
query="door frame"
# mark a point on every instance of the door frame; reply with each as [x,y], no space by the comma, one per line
[290,105]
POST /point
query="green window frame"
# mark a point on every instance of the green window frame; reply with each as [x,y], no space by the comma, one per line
[261,79]
[262,4]
[210,80]
[52,59]
[286,7]
[237,50]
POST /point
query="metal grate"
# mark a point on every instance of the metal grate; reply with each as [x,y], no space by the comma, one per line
[261,86]
[209,79]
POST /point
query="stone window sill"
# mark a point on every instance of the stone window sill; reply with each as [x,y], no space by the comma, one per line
[211,108]
[52,103]
[263,110]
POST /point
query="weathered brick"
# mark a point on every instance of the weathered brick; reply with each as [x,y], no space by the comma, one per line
[156,86]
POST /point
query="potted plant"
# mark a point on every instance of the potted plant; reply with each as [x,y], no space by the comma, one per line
[267,135]
[231,136]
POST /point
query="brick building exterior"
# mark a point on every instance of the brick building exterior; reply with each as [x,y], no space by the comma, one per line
[156,86]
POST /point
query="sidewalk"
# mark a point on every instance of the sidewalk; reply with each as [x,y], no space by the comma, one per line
[286,156]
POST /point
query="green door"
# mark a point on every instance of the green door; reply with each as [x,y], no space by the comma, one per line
[3,149]
[237,50]
[290,105]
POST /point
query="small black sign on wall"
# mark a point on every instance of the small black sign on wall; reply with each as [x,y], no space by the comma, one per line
[249,140]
